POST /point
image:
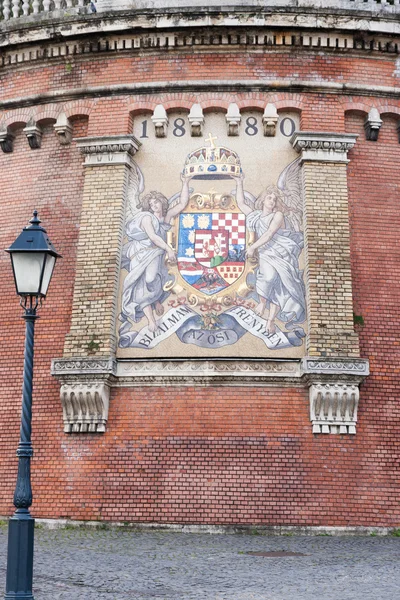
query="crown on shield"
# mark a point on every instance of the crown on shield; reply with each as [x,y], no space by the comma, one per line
[215,162]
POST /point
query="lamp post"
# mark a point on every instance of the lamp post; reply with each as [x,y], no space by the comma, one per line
[33,259]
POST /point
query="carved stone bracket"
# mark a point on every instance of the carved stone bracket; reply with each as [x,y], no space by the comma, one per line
[34,134]
[113,149]
[333,407]
[323,147]
[196,120]
[160,121]
[63,129]
[233,119]
[334,392]
[85,392]
[372,125]
[270,120]
[85,407]
[6,139]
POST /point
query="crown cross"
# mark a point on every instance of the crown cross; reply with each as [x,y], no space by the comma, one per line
[211,140]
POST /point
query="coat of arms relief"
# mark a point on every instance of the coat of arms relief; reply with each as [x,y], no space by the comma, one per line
[214,266]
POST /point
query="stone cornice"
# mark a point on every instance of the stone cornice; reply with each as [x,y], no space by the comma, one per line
[323,147]
[114,149]
[237,86]
[65,34]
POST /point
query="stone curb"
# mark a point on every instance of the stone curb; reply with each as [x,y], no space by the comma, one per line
[267,530]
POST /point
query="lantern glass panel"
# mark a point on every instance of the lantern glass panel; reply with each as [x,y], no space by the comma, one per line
[48,271]
[28,269]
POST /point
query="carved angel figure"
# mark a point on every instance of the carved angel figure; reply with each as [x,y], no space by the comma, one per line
[276,217]
[144,253]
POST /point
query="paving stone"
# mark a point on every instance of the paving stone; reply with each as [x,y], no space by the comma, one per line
[87,564]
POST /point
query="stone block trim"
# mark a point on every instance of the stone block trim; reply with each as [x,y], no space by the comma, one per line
[92,329]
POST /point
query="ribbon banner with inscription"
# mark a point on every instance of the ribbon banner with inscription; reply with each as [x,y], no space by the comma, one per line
[230,327]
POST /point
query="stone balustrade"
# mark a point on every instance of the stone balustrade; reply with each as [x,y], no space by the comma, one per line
[16,9]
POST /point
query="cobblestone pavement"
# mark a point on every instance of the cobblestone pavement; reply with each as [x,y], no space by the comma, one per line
[118,563]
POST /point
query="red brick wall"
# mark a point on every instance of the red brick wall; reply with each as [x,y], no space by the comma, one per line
[205,455]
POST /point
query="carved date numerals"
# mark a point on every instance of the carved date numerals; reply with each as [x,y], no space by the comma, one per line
[252,126]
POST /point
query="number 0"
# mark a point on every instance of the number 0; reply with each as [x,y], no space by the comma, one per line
[284,129]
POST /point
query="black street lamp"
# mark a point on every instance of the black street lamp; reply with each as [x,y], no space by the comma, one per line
[33,258]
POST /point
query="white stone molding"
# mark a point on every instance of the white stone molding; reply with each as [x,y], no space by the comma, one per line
[372,125]
[64,368]
[63,129]
[270,120]
[221,372]
[196,120]
[333,384]
[323,147]
[336,367]
[6,139]
[333,407]
[85,407]
[233,119]
[160,121]
[112,150]
[34,134]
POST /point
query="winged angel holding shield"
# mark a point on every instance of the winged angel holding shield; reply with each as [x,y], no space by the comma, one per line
[276,218]
[144,253]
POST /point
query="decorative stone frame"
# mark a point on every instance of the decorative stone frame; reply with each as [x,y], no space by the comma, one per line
[333,369]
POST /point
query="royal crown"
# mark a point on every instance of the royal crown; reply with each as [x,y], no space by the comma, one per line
[216,162]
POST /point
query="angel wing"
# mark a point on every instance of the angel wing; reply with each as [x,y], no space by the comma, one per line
[175,198]
[290,184]
[249,199]
[135,188]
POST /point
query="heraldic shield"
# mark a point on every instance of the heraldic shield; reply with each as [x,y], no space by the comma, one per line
[211,249]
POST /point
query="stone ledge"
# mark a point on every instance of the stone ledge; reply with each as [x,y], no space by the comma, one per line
[267,530]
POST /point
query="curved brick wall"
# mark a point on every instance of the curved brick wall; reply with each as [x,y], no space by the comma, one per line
[204,454]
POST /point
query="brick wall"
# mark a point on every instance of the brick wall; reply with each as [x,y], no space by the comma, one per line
[205,455]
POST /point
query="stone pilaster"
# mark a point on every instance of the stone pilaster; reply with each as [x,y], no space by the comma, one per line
[327,244]
[85,392]
[107,165]
[332,368]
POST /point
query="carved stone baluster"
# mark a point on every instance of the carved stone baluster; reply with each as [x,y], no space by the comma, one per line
[46,5]
[70,3]
[15,8]
[25,8]
[57,4]
[6,9]
[35,6]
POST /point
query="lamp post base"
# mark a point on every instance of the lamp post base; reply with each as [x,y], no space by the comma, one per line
[20,556]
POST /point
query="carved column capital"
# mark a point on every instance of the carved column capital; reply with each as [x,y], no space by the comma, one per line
[108,150]
[323,147]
